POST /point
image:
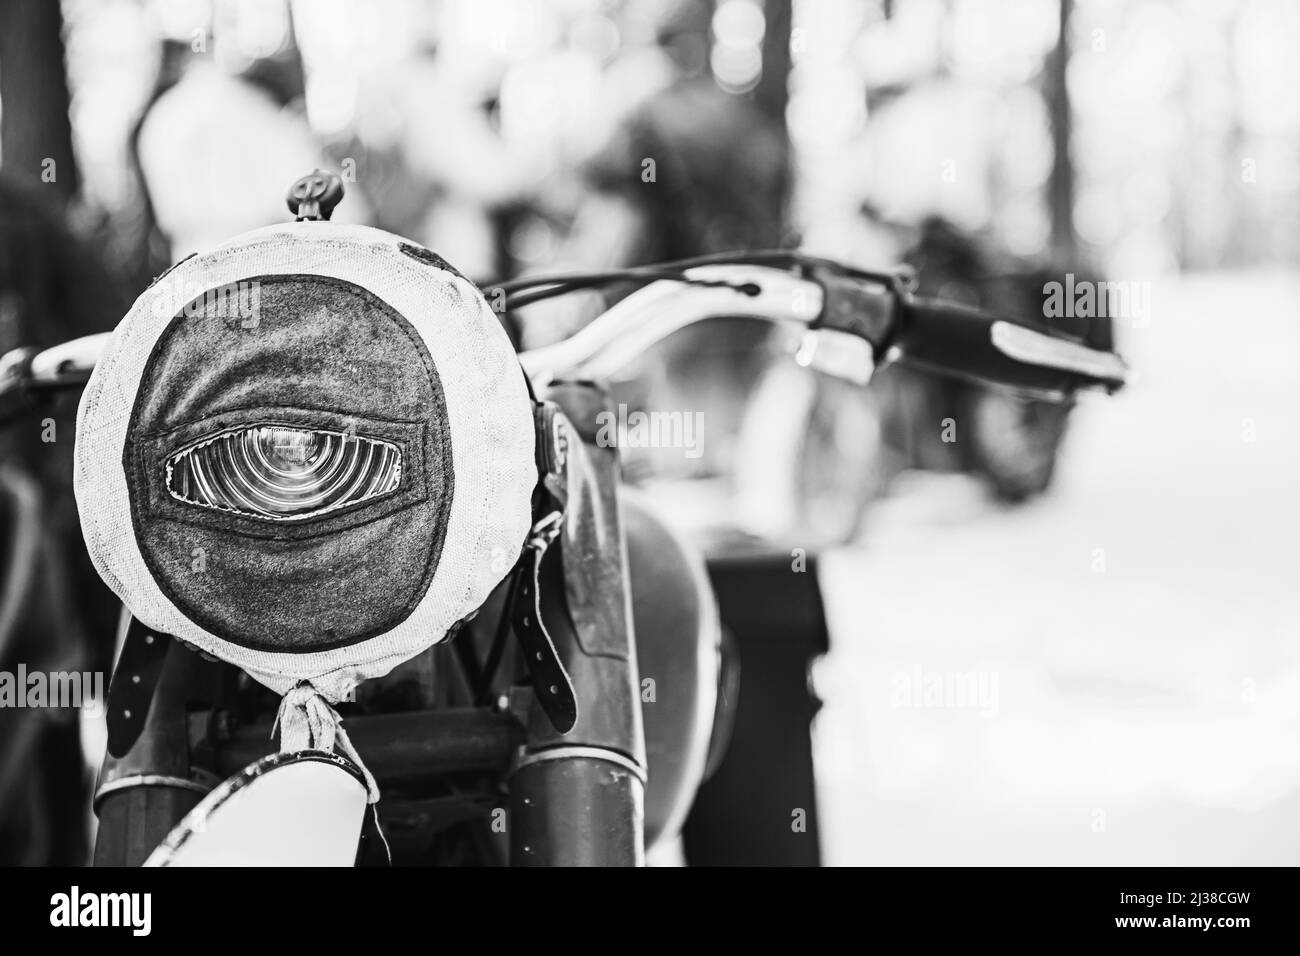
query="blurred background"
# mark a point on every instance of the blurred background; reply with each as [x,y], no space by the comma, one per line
[1120,593]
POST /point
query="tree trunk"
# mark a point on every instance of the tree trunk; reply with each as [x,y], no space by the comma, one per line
[773,92]
[1060,184]
[35,129]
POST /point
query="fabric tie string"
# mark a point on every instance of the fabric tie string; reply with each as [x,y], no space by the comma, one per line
[306,721]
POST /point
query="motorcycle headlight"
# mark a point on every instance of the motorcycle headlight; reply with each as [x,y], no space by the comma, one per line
[310,452]
[282,473]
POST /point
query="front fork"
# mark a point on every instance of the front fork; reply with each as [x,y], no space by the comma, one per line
[578,799]
[141,795]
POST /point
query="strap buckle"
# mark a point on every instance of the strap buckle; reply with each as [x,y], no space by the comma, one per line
[545,531]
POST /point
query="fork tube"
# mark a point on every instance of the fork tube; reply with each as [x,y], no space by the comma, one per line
[143,794]
[577,799]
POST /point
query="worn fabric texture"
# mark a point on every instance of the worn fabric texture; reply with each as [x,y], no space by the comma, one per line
[321,354]
[336,327]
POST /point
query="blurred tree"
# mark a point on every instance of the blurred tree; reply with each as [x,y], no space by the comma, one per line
[772,94]
[773,91]
[55,613]
[35,130]
[51,288]
[1060,183]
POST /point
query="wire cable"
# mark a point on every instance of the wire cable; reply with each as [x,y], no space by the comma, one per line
[526,290]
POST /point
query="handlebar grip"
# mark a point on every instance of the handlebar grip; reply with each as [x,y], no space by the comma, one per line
[966,342]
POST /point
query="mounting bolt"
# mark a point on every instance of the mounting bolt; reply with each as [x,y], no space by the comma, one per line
[313,197]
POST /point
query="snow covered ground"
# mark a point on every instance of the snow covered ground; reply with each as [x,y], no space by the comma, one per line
[1110,675]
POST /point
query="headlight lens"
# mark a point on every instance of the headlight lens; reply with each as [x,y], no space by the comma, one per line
[279,472]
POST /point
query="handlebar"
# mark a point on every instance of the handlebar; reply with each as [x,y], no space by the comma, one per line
[26,373]
[931,334]
[656,311]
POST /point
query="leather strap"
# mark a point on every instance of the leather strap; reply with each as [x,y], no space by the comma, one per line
[130,694]
[551,682]
[536,590]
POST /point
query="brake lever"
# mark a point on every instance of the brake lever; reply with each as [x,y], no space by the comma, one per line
[838,354]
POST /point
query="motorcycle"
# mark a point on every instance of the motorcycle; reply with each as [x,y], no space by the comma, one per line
[364,549]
